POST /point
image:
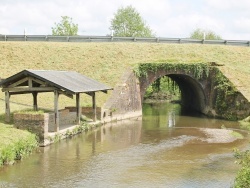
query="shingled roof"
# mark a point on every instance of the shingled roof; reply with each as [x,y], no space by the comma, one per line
[69,81]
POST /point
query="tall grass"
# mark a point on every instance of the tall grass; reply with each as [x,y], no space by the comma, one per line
[18,149]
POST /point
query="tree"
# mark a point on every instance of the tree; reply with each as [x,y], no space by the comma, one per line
[204,34]
[65,27]
[127,22]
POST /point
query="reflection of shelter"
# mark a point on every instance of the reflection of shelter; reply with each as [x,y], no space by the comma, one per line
[59,82]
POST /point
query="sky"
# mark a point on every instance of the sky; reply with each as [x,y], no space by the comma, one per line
[167,18]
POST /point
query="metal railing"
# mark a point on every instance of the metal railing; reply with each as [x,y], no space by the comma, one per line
[82,38]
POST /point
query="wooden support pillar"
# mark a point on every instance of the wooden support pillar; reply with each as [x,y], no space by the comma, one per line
[94,106]
[78,109]
[35,107]
[7,106]
[56,96]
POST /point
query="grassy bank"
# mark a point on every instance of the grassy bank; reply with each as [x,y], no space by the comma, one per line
[15,144]
[105,62]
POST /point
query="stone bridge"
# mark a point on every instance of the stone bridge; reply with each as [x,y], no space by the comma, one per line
[203,88]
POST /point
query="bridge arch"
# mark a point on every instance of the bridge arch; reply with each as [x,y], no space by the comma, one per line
[203,87]
[192,92]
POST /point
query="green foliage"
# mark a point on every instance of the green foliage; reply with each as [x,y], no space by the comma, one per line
[81,128]
[156,85]
[209,35]
[57,138]
[198,69]
[31,111]
[127,22]
[163,88]
[18,150]
[242,179]
[225,96]
[65,28]
[237,135]
[245,123]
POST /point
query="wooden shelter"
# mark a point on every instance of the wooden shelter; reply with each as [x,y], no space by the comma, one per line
[60,82]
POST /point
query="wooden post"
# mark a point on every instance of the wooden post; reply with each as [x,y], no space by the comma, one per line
[35,107]
[56,96]
[94,106]
[30,82]
[78,109]
[7,106]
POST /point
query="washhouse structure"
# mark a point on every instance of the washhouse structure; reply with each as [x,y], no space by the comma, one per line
[59,82]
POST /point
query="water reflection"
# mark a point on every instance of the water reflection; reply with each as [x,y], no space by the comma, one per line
[143,152]
[171,119]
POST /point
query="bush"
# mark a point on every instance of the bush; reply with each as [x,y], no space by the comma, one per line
[18,150]
[242,179]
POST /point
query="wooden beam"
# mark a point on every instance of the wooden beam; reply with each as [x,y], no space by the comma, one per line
[66,94]
[7,107]
[19,82]
[25,89]
[30,82]
[27,92]
[56,112]
[35,107]
[104,91]
[78,109]
[89,93]
[39,81]
[94,106]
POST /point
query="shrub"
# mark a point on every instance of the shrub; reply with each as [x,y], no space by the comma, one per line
[242,179]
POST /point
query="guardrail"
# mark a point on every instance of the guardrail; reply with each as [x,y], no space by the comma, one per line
[82,38]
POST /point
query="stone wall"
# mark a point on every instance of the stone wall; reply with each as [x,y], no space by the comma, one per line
[125,101]
[87,111]
[35,123]
[43,124]
[65,118]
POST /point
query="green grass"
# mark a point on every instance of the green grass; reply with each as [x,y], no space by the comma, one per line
[31,111]
[106,62]
[14,143]
[237,135]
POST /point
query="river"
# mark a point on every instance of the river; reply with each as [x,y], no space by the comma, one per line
[164,148]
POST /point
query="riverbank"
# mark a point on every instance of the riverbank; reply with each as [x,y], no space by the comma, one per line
[15,144]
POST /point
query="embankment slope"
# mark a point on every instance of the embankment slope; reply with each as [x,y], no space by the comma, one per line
[106,62]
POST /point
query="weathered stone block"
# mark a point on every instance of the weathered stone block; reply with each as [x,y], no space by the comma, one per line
[35,123]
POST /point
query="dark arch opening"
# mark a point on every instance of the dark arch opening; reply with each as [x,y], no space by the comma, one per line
[192,94]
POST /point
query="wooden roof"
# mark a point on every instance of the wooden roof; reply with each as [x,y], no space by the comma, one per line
[67,81]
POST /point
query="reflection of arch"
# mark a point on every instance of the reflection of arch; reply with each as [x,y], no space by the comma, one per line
[192,93]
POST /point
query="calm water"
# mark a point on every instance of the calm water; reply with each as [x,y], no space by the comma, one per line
[147,152]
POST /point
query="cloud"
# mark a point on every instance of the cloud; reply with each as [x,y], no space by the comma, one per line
[239,5]
[228,18]
[181,26]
